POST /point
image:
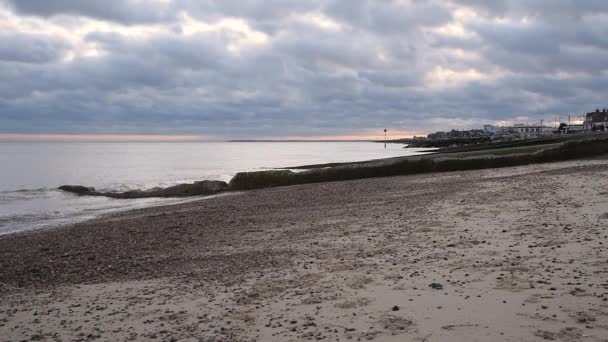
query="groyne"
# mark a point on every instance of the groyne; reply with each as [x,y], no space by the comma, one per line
[439,162]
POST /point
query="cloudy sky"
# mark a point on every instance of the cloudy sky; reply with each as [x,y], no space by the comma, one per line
[293,68]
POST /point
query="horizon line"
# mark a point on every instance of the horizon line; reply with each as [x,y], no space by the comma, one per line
[17,137]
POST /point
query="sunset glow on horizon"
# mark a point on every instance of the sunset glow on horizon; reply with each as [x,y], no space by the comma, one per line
[100,137]
[364,136]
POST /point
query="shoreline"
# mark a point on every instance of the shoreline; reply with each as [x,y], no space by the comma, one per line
[108,214]
[505,254]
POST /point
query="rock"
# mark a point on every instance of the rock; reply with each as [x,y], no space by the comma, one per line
[395,308]
[436,286]
[77,189]
[205,187]
[546,335]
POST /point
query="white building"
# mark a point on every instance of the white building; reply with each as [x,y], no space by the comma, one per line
[532,129]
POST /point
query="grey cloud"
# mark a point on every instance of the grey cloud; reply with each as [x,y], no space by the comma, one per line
[392,78]
[262,14]
[547,10]
[537,47]
[30,48]
[371,73]
[389,16]
[386,16]
[124,11]
[535,40]
[488,8]
[201,50]
[260,11]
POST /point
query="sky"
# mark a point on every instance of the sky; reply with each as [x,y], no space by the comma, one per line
[274,69]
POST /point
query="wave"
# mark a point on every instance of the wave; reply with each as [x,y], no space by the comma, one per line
[26,217]
[8,196]
[36,190]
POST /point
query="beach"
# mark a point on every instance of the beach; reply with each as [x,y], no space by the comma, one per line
[510,254]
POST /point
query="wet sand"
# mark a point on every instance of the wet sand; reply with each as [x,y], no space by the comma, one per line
[513,254]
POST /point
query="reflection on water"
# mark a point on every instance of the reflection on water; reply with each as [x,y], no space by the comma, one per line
[31,171]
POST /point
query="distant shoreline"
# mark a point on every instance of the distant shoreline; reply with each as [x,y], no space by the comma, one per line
[278,141]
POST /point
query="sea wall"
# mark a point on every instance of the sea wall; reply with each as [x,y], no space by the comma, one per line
[447,142]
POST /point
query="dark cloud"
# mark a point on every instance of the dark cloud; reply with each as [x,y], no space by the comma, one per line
[387,17]
[30,48]
[546,10]
[263,68]
[124,11]
[535,47]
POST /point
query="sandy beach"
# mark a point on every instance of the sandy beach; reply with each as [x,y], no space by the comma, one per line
[512,254]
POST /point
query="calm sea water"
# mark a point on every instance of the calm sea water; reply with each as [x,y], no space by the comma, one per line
[30,172]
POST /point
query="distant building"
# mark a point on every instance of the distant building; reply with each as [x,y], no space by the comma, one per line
[597,120]
[437,135]
[531,129]
[503,130]
[491,129]
[473,133]
[573,128]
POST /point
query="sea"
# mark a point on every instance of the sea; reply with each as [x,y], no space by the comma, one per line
[30,172]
